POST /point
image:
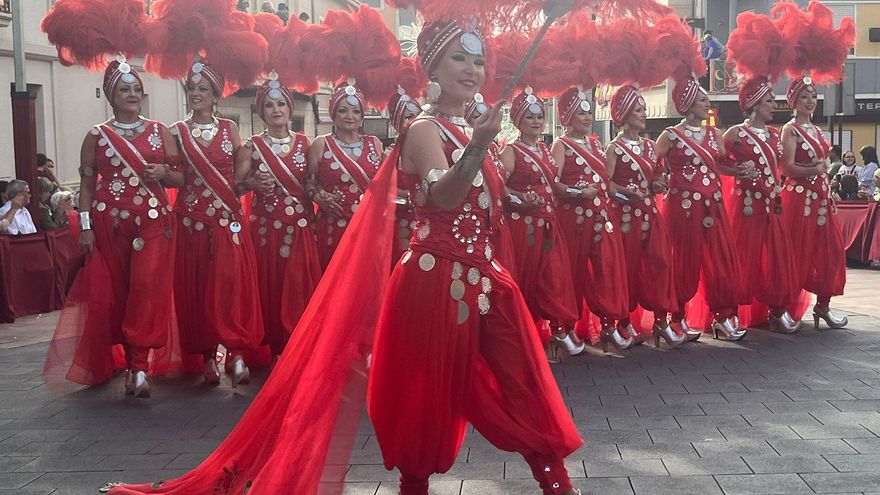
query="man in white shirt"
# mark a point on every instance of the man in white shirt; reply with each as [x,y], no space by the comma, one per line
[14,216]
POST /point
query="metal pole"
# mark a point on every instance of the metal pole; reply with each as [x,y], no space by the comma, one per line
[18,47]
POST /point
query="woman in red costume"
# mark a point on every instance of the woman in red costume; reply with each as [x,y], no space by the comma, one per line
[807,208]
[341,166]
[702,243]
[456,336]
[122,296]
[282,216]
[598,264]
[755,207]
[216,288]
[539,251]
[402,110]
[636,178]
[755,204]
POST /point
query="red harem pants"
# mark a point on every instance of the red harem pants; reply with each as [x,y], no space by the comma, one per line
[451,349]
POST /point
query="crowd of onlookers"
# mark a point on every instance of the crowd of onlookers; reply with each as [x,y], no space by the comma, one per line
[266,7]
[55,202]
[851,181]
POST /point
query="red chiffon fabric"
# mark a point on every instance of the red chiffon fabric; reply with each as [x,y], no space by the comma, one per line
[215,288]
[313,398]
[118,309]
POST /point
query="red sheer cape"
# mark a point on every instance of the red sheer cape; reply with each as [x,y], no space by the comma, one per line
[305,417]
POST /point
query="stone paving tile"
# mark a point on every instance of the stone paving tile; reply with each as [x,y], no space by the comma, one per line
[857,405]
[824,446]
[678,485]
[842,482]
[656,450]
[816,432]
[789,406]
[16,480]
[690,435]
[760,432]
[629,467]
[691,465]
[734,447]
[864,445]
[854,463]
[754,484]
[788,464]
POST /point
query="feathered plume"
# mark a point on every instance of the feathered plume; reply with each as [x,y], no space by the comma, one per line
[359,45]
[507,49]
[410,76]
[86,31]
[676,52]
[626,44]
[758,47]
[565,56]
[210,28]
[524,14]
[820,50]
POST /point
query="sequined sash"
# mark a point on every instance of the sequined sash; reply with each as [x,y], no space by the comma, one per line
[814,144]
[212,178]
[132,159]
[542,163]
[360,179]
[595,163]
[279,171]
[705,155]
[764,148]
[641,162]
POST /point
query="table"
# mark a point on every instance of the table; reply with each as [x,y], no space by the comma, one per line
[858,224]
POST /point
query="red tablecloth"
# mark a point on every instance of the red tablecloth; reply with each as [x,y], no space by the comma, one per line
[37,270]
[858,224]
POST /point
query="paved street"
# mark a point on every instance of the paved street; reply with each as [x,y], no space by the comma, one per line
[771,414]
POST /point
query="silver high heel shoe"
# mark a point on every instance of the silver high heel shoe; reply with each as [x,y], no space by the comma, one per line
[689,333]
[668,334]
[211,372]
[783,323]
[136,384]
[637,338]
[726,330]
[570,342]
[830,320]
[241,375]
[612,335]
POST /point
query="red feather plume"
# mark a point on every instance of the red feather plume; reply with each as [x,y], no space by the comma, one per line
[86,31]
[359,44]
[820,49]
[562,60]
[676,52]
[212,28]
[410,76]
[507,49]
[758,47]
[625,46]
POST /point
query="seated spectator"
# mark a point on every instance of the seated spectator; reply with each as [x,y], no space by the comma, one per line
[849,187]
[54,205]
[243,5]
[46,168]
[15,219]
[866,176]
[267,7]
[877,185]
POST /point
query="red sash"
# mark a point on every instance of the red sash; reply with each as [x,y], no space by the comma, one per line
[818,145]
[492,183]
[543,165]
[643,163]
[595,162]
[282,174]
[133,161]
[361,179]
[764,148]
[705,155]
[213,180]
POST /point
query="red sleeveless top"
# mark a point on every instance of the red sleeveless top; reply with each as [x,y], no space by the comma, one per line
[765,150]
[335,178]
[295,208]
[692,164]
[530,176]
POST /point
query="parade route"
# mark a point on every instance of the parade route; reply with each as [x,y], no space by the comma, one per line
[772,414]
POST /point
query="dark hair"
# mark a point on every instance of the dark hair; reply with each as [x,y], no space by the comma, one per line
[836,150]
[849,186]
[304,16]
[869,154]
[41,159]
[3,184]
[708,31]
[282,6]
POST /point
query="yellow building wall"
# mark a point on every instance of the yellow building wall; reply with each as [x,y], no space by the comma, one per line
[863,134]
[866,16]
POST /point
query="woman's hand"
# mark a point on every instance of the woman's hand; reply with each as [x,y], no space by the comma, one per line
[588,192]
[87,241]
[487,126]
[154,172]
[261,182]
[327,202]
